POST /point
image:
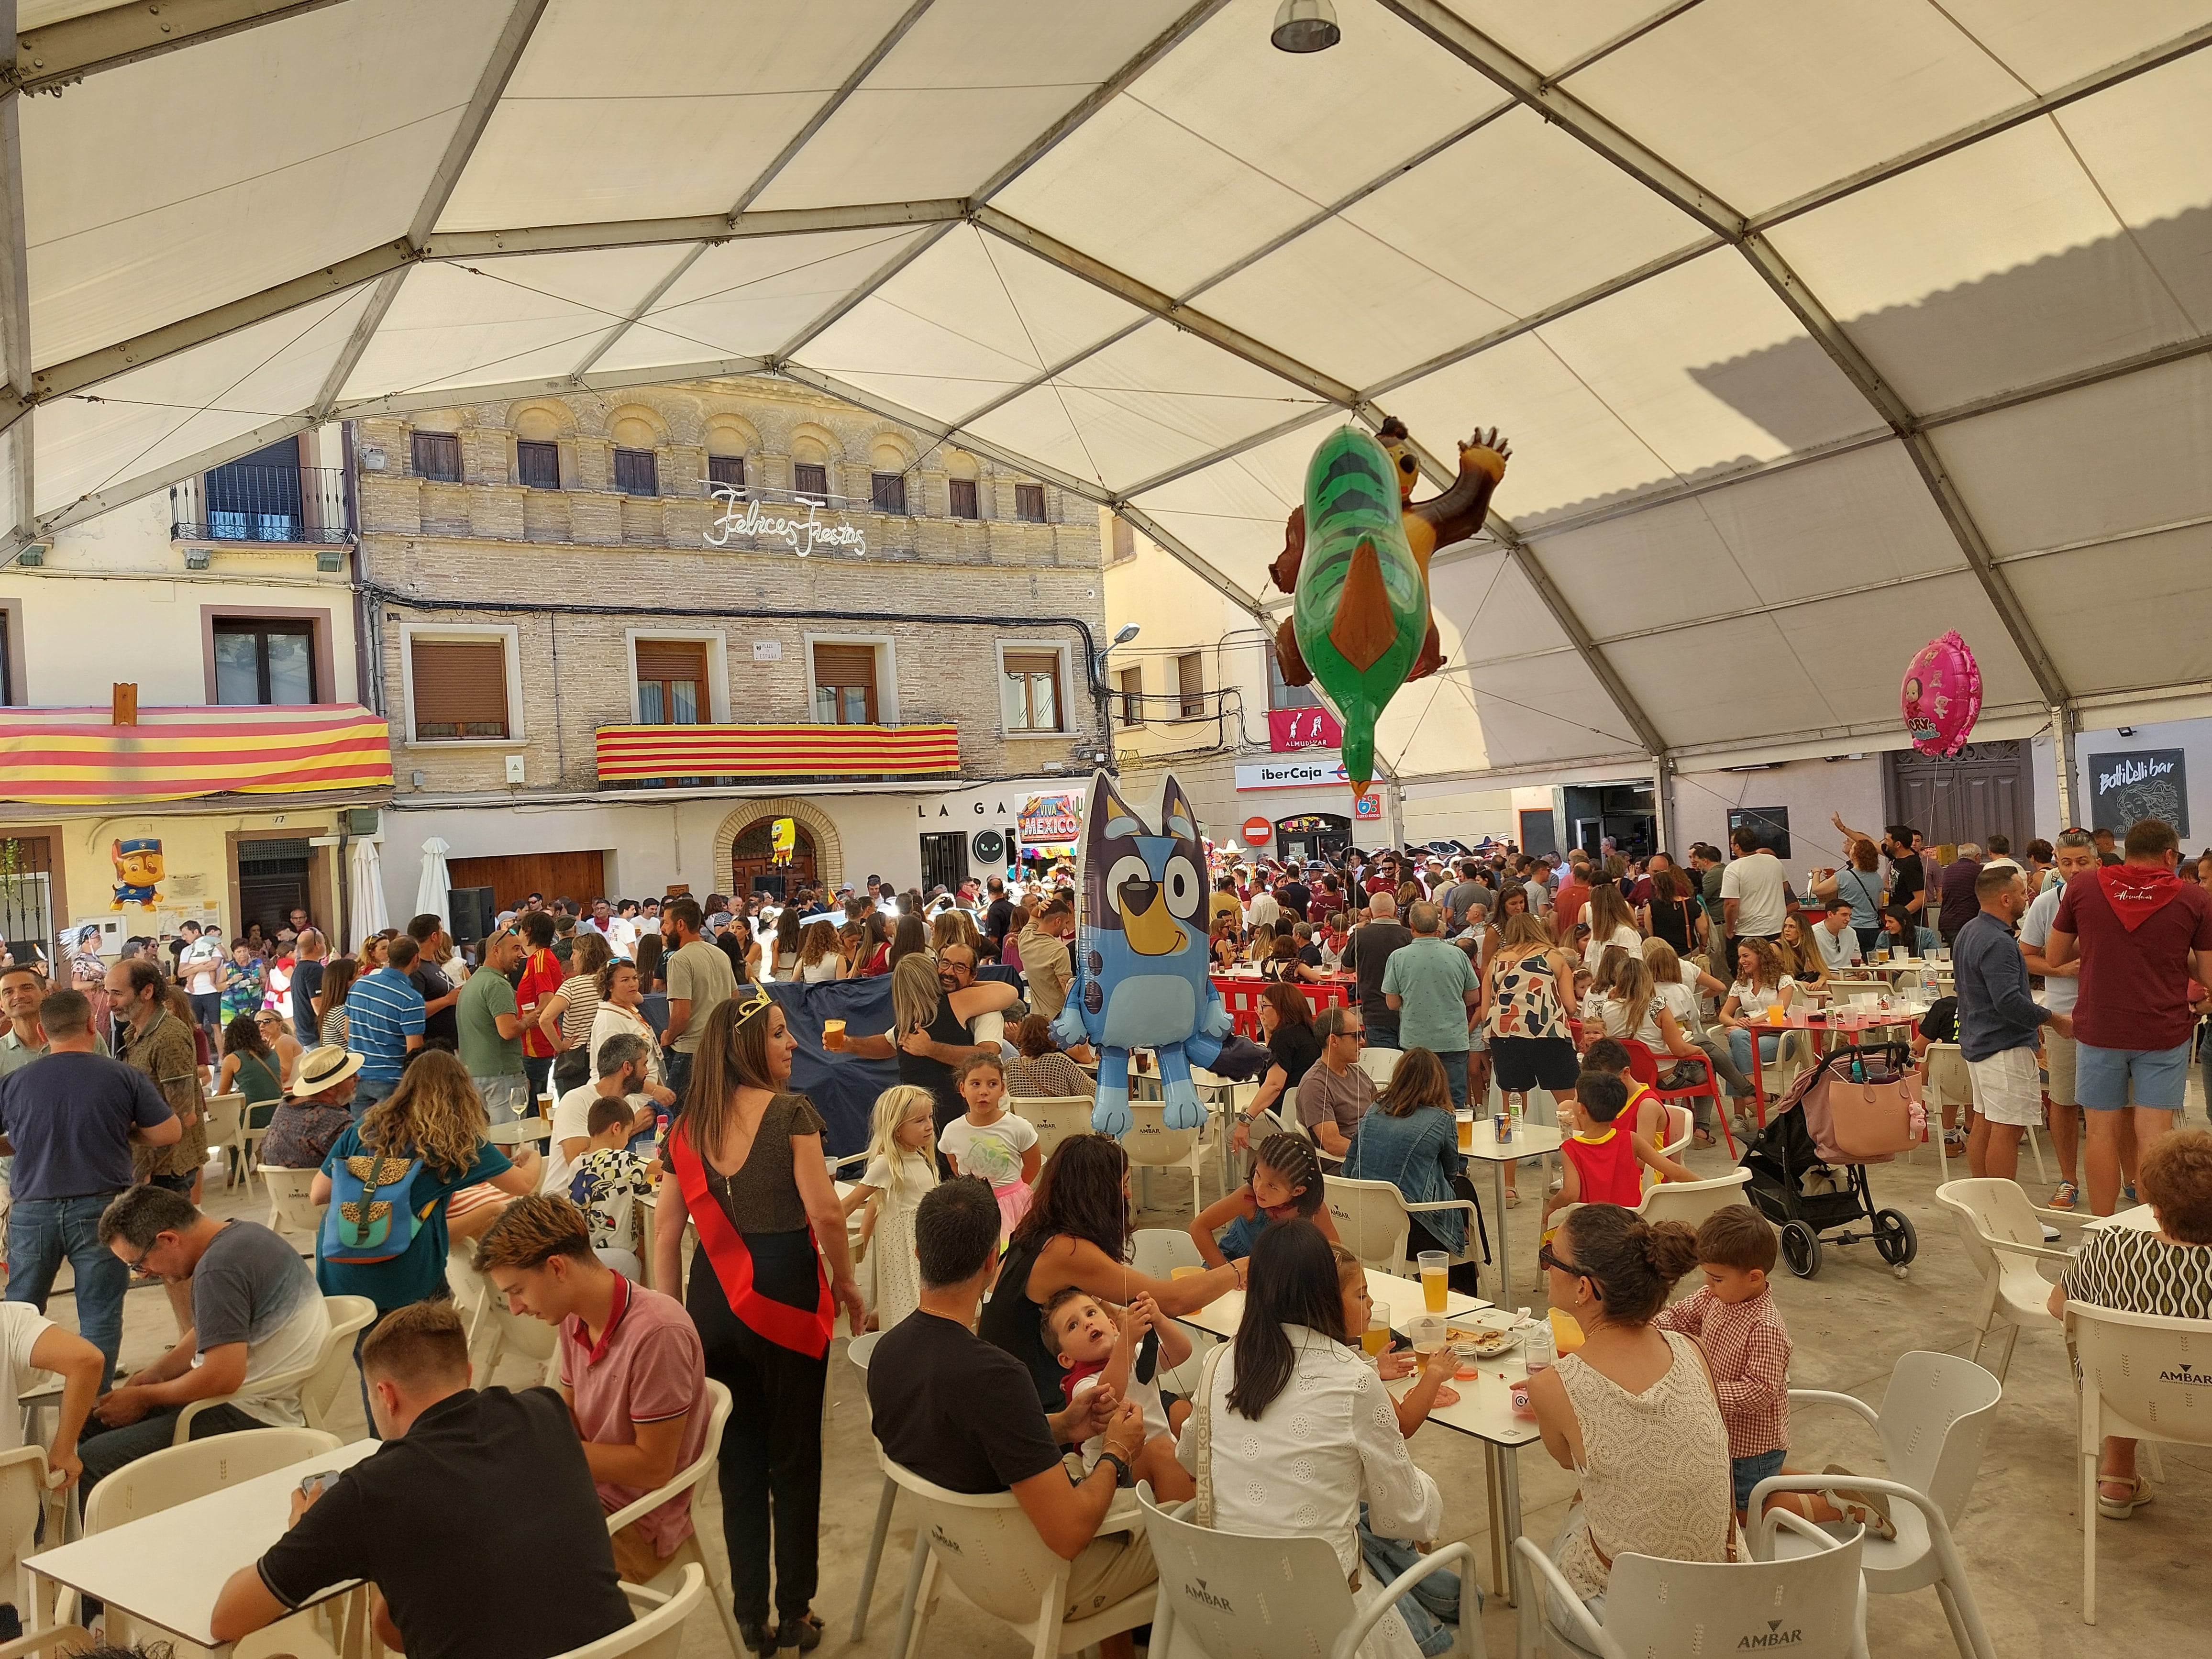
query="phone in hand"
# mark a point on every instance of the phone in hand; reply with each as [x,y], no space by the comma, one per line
[316,1483]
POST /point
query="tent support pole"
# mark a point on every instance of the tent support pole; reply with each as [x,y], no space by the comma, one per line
[2063,729]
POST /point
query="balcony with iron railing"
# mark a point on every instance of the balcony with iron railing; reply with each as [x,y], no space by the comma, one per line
[274,507]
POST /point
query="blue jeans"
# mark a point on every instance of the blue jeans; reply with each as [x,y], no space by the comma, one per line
[1454,1061]
[41,1232]
[366,1093]
[1770,1044]
[678,1065]
[105,1450]
[539,1068]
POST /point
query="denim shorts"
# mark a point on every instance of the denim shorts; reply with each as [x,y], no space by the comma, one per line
[2102,1077]
[1749,1472]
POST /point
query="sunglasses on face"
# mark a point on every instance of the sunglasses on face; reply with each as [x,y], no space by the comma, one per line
[1545,1258]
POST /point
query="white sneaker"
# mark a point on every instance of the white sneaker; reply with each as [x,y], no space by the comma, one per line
[2050,1233]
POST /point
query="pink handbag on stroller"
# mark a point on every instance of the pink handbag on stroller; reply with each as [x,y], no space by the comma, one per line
[1862,1105]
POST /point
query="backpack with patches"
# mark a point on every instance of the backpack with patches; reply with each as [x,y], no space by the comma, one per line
[372,1217]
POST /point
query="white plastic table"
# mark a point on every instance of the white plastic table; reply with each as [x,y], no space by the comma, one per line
[1484,1410]
[1220,1317]
[165,1570]
[1531,1140]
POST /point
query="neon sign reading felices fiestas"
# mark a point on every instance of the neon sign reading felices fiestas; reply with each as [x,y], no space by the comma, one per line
[801,532]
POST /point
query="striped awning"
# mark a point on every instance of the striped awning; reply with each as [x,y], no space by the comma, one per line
[642,754]
[78,757]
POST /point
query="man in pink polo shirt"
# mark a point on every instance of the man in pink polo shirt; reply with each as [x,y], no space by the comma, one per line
[632,1369]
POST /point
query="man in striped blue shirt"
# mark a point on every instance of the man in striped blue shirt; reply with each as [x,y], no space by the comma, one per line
[384,1020]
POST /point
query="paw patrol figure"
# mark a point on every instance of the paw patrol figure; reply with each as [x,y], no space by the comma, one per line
[137,869]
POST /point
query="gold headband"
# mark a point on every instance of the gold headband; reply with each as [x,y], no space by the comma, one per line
[752,1005]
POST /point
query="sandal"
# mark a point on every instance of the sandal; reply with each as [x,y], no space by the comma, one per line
[1869,1509]
[1512,1197]
[800,1635]
[2065,1197]
[1701,1138]
[2119,1508]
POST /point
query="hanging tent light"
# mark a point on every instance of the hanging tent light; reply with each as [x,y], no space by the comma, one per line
[1305,26]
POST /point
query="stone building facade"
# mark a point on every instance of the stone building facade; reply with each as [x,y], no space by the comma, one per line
[570,547]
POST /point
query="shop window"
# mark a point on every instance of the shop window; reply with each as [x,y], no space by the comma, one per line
[672,682]
[438,456]
[963,498]
[634,474]
[810,482]
[844,685]
[888,491]
[1028,691]
[259,660]
[537,465]
[1029,502]
[459,688]
[727,473]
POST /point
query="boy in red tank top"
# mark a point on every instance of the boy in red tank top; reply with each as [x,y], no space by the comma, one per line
[1601,1159]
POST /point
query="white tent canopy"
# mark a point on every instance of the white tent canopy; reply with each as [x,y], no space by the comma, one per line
[1817,329]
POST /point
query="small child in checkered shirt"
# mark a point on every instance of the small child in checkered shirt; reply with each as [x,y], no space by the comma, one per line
[1746,1348]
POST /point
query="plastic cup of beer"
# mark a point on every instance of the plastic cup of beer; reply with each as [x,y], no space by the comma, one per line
[1376,1337]
[1185,1272]
[833,1034]
[1466,1120]
[1427,1331]
[1434,1265]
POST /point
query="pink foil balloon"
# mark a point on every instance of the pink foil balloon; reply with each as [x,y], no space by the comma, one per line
[1942,696]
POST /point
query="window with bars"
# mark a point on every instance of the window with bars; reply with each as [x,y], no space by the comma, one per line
[810,481]
[963,503]
[1190,683]
[264,660]
[537,465]
[672,682]
[1133,696]
[634,474]
[1028,691]
[1124,546]
[888,490]
[459,688]
[844,685]
[726,471]
[1029,502]
[437,455]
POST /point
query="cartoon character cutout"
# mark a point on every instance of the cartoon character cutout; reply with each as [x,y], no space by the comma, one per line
[782,842]
[1140,979]
[138,870]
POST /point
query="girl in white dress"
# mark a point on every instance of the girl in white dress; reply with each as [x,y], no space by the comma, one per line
[901,1167]
[1291,1429]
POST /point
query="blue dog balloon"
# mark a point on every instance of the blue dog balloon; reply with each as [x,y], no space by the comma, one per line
[1140,975]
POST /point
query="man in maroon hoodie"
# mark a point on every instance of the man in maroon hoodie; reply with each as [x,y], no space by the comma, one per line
[2142,934]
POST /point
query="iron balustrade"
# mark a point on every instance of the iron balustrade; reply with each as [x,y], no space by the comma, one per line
[290,506]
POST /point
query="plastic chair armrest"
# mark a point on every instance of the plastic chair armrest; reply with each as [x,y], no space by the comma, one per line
[1823,1397]
[640,1508]
[49,1641]
[1762,1546]
[1442,1204]
[2008,1247]
[282,1383]
[1347,1642]
[1589,1631]
[1939,1528]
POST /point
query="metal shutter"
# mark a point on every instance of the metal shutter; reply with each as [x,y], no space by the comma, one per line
[460,683]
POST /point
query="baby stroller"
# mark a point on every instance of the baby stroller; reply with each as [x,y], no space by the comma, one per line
[1809,1165]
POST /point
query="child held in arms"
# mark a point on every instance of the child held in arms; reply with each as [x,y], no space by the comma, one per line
[1127,1355]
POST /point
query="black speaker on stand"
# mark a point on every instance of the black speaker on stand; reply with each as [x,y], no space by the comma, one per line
[472,912]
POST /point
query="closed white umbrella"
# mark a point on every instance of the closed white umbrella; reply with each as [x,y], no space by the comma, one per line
[368,893]
[430,893]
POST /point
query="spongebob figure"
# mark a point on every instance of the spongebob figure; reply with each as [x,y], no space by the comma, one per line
[137,870]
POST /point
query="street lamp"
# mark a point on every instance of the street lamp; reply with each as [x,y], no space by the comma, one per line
[1127,632]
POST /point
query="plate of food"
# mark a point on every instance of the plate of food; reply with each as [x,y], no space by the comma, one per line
[1479,1339]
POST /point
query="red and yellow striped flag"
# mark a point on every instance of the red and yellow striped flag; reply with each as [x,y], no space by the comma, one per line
[629,753]
[76,757]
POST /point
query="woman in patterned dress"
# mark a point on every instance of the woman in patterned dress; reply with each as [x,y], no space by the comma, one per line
[1532,986]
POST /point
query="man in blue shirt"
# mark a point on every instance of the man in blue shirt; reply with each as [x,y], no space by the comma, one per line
[384,1016]
[1431,987]
[1998,1021]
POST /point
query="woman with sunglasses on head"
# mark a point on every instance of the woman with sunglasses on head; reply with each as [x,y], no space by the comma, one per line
[746,1166]
[1633,1413]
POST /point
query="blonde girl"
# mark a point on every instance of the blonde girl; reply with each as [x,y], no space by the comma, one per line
[1607,974]
[990,1141]
[901,1167]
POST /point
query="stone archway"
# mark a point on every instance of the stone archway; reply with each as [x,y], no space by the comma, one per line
[829,847]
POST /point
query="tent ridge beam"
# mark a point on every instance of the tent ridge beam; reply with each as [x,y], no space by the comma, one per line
[692,227]
[60,54]
[408,402]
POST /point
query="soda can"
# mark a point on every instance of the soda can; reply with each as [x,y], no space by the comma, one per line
[1501,1127]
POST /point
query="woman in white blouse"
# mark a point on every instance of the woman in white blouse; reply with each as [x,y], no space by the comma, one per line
[1297,1431]
[620,993]
[1611,922]
[1760,985]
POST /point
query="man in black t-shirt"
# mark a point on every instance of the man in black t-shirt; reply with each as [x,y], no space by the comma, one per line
[964,1414]
[1366,953]
[457,1468]
[441,1027]
[998,915]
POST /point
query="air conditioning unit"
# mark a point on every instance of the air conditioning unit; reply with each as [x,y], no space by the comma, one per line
[361,820]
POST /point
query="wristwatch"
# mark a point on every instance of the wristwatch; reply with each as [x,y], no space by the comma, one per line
[1120,1463]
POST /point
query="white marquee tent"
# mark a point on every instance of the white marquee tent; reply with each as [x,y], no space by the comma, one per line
[1817,328]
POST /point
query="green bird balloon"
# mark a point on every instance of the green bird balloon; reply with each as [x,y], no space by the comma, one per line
[1356,563]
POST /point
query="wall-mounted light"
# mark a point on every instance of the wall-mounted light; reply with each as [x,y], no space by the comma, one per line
[1305,26]
[198,558]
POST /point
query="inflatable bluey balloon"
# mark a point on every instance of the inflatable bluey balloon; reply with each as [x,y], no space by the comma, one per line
[1141,978]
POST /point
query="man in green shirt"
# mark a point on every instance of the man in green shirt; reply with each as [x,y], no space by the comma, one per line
[1433,988]
[490,1032]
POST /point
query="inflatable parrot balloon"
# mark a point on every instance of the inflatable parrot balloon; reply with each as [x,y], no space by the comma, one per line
[1355,561]
[1141,978]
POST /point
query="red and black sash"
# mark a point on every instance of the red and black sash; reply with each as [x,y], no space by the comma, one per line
[796,1328]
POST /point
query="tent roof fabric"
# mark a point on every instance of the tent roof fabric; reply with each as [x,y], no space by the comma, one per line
[1817,330]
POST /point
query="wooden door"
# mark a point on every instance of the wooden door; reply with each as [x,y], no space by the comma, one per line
[513,877]
[754,867]
[1981,792]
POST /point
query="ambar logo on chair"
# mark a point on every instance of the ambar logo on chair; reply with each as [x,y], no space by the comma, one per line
[2188,1374]
[1776,1636]
[1196,1591]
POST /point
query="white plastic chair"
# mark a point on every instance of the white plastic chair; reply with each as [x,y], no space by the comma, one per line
[690,1556]
[1813,1607]
[1233,1595]
[659,1631]
[1373,1221]
[1935,1421]
[225,1113]
[990,1550]
[1681,1129]
[24,1498]
[1054,1117]
[1379,1063]
[2143,1376]
[292,1207]
[1151,1144]
[497,1328]
[860,1351]
[314,1385]
[2003,1236]
[1691,1201]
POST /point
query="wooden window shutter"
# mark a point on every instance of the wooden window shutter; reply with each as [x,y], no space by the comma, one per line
[460,688]
[672,659]
[845,665]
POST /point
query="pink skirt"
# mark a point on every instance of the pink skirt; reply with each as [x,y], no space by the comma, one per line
[1013,1204]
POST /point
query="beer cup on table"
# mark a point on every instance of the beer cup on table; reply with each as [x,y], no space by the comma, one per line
[1434,1265]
